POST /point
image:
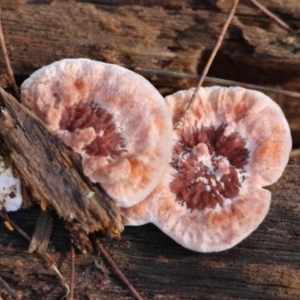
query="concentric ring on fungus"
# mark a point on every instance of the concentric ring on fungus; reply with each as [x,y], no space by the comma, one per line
[113,117]
[233,142]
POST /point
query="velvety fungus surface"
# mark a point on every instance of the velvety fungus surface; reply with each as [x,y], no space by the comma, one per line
[113,117]
[232,143]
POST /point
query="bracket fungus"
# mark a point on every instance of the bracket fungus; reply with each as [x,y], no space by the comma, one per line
[113,117]
[232,143]
[10,187]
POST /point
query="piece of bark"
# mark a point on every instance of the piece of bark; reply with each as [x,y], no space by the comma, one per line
[42,232]
[53,174]
[80,240]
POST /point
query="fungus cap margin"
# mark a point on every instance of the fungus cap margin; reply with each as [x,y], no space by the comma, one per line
[253,116]
[128,152]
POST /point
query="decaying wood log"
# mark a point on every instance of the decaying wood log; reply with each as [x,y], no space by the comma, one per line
[167,35]
[264,266]
[53,174]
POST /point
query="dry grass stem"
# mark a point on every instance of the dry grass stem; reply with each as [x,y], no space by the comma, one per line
[209,62]
[5,216]
[7,61]
[117,270]
[46,256]
[220,81]
[271,15]
[72,273]
[11,291]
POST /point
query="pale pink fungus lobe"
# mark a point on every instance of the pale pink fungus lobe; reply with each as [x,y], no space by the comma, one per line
[113,117]
[233,142]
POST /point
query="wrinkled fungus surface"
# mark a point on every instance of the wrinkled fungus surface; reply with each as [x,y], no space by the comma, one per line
[209,166]
[88,115]
[113,117]
[232,143]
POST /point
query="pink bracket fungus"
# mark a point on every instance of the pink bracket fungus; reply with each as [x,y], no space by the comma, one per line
[233,142]
[10,188]
[113,117]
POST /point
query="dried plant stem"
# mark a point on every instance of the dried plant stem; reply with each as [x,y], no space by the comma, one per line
[11,291]
[271,15]
[208,64]
[221,81]
[72,273]
[5,216]
[117,270]
[7,61]
[45,255]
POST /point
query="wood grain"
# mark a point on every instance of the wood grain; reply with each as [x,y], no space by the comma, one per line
[167,35]
[264,266]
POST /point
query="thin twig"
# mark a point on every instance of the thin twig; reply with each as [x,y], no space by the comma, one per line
[271,15]
[72,273]
[7,61]
[220,81]
[208,64]
[117,270]
[62,281]
[45,255]
[5,216]
[53,266]
[11,291]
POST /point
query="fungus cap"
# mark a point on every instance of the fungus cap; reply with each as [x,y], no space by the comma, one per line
[10,188]
[232,143]
[113,117]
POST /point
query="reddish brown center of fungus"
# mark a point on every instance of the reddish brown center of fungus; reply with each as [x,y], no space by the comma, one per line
[85,115]
[210,166]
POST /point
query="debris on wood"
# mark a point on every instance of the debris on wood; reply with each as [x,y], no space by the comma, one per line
[53,174]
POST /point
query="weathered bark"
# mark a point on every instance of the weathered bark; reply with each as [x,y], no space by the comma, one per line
[167,35]
[52,173]
[264,266]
